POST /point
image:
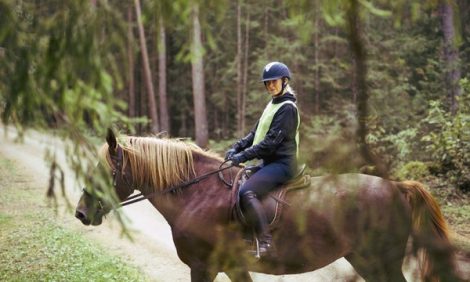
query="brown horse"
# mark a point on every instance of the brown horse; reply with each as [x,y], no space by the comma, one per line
[364,218]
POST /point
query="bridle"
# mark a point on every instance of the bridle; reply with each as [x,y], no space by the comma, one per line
[117,172]
[118,169]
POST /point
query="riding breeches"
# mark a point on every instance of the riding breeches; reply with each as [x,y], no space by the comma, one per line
[268,178]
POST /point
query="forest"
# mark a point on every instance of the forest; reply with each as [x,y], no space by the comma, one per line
[381,85]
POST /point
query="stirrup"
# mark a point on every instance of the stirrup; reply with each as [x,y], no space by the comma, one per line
[260,252]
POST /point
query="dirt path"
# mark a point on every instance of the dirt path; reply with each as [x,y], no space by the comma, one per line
[152,247]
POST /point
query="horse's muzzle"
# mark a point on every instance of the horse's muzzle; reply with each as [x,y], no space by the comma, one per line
[82,217]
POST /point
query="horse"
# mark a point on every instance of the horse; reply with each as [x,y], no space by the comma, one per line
[365,219]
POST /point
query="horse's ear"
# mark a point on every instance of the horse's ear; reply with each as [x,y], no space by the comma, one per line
[111,139]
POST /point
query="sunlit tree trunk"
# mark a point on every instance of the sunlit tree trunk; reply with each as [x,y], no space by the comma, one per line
[197,65]
[130,58]
[162,92]
[152,105]
[451,54]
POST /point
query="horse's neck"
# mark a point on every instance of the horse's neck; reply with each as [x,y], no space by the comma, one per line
[208,197]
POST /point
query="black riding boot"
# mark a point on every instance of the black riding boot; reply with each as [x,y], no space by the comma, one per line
[256,217]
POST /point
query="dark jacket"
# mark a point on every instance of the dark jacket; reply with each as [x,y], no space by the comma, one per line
[279,143]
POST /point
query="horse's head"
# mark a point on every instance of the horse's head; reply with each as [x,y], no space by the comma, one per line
[98,201]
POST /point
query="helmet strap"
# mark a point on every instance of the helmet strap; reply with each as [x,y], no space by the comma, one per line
[284,85]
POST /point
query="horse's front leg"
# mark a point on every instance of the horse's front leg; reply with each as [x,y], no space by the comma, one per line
[235,276]
[200,273]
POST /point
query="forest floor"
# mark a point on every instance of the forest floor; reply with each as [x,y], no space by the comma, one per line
[151,249]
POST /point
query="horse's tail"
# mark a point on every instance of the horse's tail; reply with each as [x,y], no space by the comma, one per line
[430,234]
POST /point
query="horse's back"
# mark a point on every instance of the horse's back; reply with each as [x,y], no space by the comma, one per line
[325,192]
[353,199]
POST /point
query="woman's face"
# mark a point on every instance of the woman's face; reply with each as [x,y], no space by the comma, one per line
[273,86]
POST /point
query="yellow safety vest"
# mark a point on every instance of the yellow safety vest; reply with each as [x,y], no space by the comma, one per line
[266,119]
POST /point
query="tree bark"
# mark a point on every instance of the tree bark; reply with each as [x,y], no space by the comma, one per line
[152,105]
[197,66]
[162,89]
[130,57]
[451,55]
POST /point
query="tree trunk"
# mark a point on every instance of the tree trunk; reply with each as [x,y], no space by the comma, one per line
[354,80]
[140,94]
[162,93]
[130,57]
[359,55]
[239,59]
[266,27]
[197,65]
[152,105]
[316,55]
[451,55]
[245,69]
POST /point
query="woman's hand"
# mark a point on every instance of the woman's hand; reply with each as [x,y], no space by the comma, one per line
[236,159]
[229,154]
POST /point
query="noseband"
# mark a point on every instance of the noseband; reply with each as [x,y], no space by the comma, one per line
[100,204]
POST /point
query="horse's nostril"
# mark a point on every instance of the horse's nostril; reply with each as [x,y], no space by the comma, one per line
[80,215]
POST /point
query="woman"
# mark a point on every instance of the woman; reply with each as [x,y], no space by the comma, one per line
[274,139]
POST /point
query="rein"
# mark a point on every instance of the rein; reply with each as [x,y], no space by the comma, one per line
[140,197]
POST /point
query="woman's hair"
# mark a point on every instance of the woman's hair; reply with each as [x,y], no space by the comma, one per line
[289,89]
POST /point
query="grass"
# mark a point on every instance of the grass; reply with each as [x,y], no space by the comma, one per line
[455,206]
[458,217]
[34,247]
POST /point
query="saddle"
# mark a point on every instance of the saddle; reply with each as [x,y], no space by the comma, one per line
[272,203]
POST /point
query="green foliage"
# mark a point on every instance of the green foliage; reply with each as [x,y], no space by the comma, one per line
[62,61]
[327,143]
[61,69]
[448,139]
[412,170]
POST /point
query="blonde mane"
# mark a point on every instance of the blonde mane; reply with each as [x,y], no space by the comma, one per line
[157,163]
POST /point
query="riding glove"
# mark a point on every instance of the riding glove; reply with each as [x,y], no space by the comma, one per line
[230,154]
[238,158]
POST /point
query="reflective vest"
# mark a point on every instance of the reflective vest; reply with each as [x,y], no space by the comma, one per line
[266,119]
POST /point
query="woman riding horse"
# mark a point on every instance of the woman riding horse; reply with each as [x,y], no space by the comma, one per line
[365,219]
[275,140]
